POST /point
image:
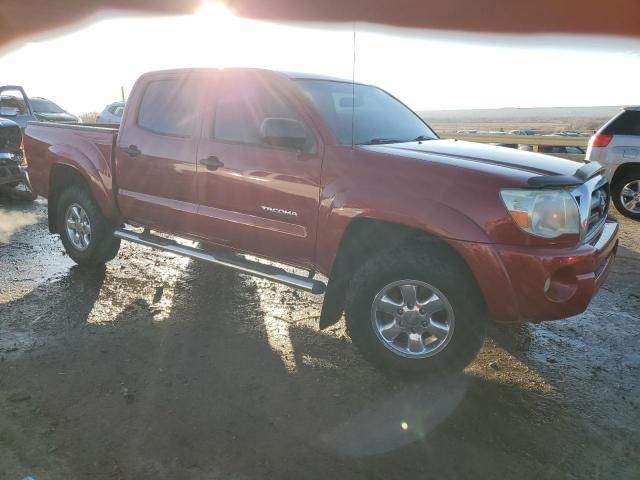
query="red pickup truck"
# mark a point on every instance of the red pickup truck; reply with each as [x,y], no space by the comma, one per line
[421,239]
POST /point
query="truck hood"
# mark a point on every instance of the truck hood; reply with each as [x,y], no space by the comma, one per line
[480,156]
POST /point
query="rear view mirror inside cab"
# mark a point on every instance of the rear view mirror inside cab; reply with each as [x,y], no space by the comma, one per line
[351,102]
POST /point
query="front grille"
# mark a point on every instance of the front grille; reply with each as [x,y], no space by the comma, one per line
[9,172]
[598,208]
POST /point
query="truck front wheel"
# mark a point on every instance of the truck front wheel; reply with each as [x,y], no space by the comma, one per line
[412,313]
[86,234]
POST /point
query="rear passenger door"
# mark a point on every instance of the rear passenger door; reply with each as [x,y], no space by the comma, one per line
[261,198]
[156,152]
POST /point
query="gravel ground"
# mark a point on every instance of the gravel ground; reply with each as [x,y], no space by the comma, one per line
[158,367]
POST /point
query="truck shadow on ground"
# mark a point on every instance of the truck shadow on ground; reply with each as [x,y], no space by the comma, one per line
[216,385]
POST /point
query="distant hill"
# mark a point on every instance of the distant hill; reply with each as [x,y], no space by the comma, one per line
[522,113]
[546,119]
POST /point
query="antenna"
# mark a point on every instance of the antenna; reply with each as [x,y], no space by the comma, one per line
[353,88]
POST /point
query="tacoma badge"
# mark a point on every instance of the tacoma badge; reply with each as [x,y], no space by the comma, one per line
[279,211]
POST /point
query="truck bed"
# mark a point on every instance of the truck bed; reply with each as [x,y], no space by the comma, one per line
[88,147]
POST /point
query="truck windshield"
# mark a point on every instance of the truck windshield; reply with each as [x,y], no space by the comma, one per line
[375,116]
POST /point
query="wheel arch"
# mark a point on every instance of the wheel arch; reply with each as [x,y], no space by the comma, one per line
[91,169]
[365,237]
[62,175]
[624,169]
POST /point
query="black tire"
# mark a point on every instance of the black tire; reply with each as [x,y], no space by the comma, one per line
[102,246]
[616,191]
[438,269]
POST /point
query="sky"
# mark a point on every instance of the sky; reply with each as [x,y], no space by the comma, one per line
[82,69]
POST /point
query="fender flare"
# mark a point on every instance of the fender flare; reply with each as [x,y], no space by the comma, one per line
[98,179]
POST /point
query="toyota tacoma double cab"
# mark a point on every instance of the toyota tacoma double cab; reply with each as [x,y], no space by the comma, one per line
[418,241]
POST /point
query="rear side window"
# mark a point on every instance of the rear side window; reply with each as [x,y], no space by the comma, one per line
[168,107]
[242,108]
[627,123]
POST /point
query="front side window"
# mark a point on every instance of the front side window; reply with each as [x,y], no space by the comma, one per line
[242,108]
[168,107]
[363,114]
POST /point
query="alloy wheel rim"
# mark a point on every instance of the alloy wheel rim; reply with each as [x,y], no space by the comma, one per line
[78,227]
[413,319]
[630,196]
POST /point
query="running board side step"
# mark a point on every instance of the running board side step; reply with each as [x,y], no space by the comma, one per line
[225,259]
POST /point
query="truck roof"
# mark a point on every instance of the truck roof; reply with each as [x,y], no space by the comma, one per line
[289,74]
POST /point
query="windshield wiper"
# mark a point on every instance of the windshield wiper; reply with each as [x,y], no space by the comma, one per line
[380,141]
[421,138]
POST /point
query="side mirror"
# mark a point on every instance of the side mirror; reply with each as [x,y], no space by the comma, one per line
[284,132]
[8,111]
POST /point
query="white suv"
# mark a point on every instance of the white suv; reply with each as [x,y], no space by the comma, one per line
[617,147]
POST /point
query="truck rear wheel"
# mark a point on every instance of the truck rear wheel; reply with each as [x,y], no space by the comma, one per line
[625,193]
[410,313]
[86,234]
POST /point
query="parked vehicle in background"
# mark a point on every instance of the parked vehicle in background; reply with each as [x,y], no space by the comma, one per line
[505,145]
[617,147]
[15,105]
[553,149]
[525,131]
[421,239]
[112,113]
[568,134]
[13,176]
[46,111]
[22,109]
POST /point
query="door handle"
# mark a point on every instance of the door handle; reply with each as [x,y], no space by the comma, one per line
[133,151]
[212,163]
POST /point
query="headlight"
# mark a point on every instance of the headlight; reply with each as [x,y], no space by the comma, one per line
[544,213]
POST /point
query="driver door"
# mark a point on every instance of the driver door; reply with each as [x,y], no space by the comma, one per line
[253,196]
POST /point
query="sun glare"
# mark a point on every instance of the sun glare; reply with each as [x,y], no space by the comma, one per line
[214,12]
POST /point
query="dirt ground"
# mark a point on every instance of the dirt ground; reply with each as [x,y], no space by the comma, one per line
[161,368]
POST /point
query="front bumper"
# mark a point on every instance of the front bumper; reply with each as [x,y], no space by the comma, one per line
[10,173]
[14,179]
[536,284]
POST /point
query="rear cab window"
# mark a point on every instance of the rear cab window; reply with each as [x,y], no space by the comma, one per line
[168,107]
